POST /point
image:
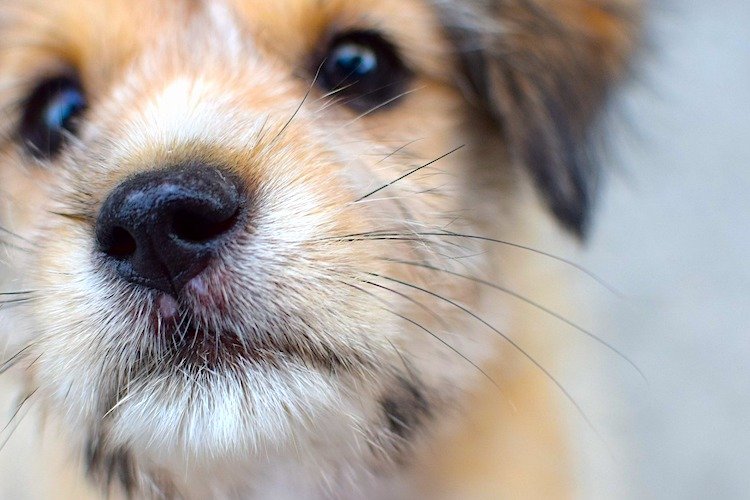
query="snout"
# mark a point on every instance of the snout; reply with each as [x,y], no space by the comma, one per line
[162,228]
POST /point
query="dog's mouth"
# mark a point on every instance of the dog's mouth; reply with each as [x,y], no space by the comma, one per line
[185,337]
[187,332]
[180,337]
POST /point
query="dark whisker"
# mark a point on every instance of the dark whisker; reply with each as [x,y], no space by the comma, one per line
[409,299]
[510,341]
[5,304]
[423,328]
[18,409]
[398,352]
[420,241]
[449,346]
[75,217]
[299,108]
[396,151]
[407,174]
[562,260]
[532,303]
[15,235]
[35,361]
[17,420]
[15,359]
[377,235]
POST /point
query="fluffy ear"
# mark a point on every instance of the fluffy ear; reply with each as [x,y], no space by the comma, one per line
[542,70]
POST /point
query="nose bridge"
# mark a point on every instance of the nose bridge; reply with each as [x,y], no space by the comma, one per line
[203,87]
[209,80]
[228,119]
[222,109]
[192,109]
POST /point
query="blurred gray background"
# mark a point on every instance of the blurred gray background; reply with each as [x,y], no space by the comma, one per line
[673,235]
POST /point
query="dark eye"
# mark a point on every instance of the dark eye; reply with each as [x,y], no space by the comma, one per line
[365,70]
[50,113]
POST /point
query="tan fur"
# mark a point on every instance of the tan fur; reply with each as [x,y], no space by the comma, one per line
[518,84]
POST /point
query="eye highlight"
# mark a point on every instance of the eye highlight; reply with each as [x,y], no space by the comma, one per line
[50,112]
[364,69]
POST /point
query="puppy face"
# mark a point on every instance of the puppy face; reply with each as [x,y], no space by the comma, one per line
[232,220]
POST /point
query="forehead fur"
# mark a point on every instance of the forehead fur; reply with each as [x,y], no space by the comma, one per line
[97,35]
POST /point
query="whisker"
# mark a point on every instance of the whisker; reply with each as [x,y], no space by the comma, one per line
[398,352]
[377,237]
[339,89]
[375,108]
[14,236]
[8,303]
[35,361]
[15,359]
[125,398]
[7,244]
[532,303]
[345,100]
[407,174]
[449,346]
[75,217]
[299,107]
[17,420]
[21,292]
[431,333]
[410,299]
[333,92]
[519,246]
[510,341]
[396,151]
[18,409]
[407,236]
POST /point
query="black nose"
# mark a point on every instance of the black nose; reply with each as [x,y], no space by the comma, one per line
[161,228]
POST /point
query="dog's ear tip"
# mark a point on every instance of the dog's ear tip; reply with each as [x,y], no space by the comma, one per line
[567,178]
[571,207]
[573,217]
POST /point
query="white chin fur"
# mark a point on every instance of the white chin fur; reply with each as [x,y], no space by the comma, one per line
[222,416]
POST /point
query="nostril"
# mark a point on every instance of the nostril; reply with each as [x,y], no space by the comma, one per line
[121,244]
[196,228]
[162,228]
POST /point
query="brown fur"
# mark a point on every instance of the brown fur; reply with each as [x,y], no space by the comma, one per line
[352,398]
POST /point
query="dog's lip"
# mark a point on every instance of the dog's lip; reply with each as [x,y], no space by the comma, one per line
[181,324]
[195,329]
[198,297]
[179,329]
[200,327]
[168,308]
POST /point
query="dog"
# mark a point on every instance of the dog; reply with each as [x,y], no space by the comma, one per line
[269,249]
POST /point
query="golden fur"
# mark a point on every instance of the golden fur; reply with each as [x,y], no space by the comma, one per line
[350,265]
